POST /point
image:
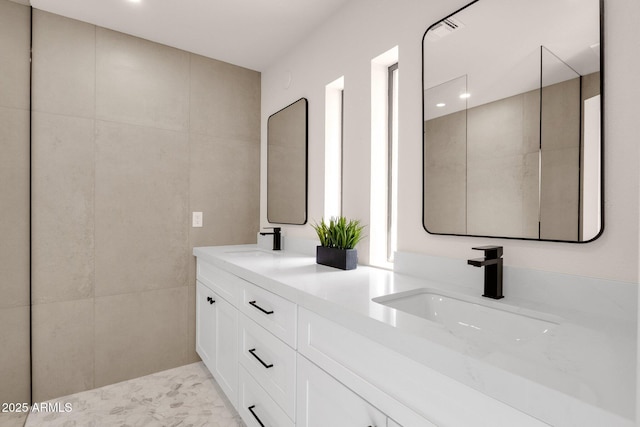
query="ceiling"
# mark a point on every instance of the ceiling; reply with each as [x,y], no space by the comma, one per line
[495,52]
[249,33]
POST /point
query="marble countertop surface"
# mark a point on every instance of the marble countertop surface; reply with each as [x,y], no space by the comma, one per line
[582,372]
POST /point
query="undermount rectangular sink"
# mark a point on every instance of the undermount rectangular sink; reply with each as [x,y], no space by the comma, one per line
[251,253]
[484,322]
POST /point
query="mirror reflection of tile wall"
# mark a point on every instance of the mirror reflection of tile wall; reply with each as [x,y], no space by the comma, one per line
[483,165]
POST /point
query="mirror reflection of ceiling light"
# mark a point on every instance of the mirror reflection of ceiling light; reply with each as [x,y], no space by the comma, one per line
[465,95]
[440,104]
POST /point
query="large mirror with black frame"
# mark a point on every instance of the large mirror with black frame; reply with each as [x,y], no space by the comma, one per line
[512,121]
[287,139]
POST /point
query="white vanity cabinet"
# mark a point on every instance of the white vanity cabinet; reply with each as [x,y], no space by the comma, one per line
[250,350]
[292,344]
[323,401]
[247,337]
[217,339]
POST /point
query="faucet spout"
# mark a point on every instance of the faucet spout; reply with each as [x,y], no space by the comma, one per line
[481,262]
[492,263]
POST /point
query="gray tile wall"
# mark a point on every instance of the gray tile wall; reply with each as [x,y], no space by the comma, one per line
[485,162]
[14,205]
[130,137]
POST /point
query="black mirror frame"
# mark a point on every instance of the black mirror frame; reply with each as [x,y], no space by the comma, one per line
[306,162]
[602,132]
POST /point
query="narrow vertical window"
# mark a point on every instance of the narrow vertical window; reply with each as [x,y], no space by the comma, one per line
[384,158]
[334,118]
[392,166]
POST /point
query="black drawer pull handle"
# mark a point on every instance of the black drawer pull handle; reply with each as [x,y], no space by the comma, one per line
[253,353]
[211,300]
[253,303]
[250,408]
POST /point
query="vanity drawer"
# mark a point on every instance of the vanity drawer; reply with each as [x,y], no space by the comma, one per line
[271,362]
[221,282]
[256,407]
[272,312]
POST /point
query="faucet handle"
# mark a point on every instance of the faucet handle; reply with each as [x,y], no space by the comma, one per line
[490,252]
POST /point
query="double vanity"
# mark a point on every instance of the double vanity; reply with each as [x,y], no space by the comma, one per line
[512,147]
[294,343]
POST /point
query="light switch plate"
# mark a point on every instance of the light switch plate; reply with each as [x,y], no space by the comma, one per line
[196,219]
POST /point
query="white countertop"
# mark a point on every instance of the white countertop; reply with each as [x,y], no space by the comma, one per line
[579,374]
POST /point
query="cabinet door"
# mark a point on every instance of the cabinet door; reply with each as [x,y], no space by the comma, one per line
[217,339]
[323,401]
[225,369]
[205,321]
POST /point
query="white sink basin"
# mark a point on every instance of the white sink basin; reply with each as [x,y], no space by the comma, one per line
[483,322]
[251,253]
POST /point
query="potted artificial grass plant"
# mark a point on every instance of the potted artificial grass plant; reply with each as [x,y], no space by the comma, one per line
[337,242]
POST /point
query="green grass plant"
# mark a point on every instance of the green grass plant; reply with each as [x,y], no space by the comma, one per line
[339,233]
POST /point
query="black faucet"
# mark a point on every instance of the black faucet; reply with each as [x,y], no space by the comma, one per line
[276,237]
[492,263]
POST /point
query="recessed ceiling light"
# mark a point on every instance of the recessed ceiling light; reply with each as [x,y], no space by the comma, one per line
[465,95]
[440,104]
[135,1]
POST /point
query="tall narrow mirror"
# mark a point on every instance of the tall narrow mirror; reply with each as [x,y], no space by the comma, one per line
[512,121]
[287,164]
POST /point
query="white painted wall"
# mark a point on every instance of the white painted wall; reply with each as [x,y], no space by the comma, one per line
[362,30]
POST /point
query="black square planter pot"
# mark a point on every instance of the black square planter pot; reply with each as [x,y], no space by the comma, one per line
[344,259]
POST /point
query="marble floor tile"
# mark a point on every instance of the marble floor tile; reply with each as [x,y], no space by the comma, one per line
[186,396]
[12,419]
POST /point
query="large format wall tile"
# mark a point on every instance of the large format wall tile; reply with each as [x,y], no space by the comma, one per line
[63,65]
[142,181]
[14,356]
[62,348]
[15,37]
[225,99]
[496,197]
[192,356]
[114,158]
[445,174]
[14,207]
[63,211]
[560,194]
[140,333]
[141,82]
[15,377]
[225,187]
